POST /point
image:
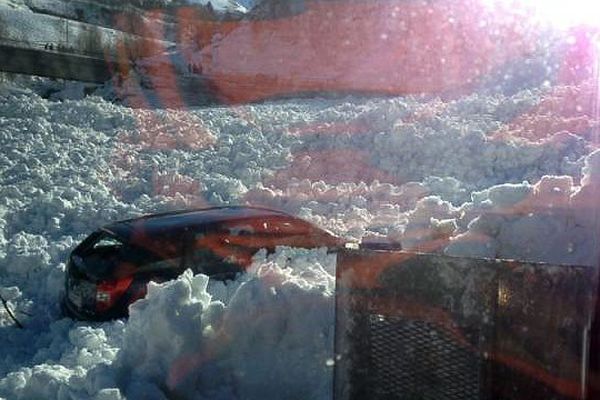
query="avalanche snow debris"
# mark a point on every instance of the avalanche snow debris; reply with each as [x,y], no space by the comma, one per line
[276,328]
[442,176]
[552,221]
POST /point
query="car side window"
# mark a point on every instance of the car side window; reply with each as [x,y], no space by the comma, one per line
[213,254]
[161,252]
[159,265]
[242,229]
[270,226]
[276,230]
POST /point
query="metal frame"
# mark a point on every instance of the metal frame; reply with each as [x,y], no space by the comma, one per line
[497,329]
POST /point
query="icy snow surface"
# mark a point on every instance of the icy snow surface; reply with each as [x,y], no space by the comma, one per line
[455,176]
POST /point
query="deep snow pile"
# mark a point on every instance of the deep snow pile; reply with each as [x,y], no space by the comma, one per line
[552,221]
[273,338]
[269,335]
[451,176]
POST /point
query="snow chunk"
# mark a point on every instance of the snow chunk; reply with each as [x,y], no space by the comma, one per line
[591,169]
[273,338]
[429,224]
[471,244]
[509,195]
[552,221]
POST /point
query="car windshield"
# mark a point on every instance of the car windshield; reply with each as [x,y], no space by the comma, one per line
[450,147]
[103,256]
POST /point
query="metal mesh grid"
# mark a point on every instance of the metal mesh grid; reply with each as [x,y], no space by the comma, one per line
[416,360]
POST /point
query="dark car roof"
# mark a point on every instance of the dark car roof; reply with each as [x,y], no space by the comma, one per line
[177,221]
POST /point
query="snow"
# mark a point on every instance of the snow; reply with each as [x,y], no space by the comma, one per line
[471,176]
[272,338]
[277,325]
[220,5]
[551,221]
[70,166]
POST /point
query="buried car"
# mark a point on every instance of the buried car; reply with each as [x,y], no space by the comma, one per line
[111,268]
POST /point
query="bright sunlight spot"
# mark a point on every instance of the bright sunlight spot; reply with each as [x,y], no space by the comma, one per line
[561,13]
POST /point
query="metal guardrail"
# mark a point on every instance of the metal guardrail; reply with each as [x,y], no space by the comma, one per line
[68,34]
[54,47]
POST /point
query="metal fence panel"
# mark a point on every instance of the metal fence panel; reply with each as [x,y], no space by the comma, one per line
[419,326]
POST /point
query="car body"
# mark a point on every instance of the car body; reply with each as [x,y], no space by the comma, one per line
[110,269]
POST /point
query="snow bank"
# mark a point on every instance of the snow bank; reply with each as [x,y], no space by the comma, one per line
[552,221]
[273,338]
[52,362]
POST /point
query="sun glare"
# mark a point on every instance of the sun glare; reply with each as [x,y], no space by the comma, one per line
[568,13]
[560,13]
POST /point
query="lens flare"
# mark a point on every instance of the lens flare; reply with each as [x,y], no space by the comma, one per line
[568,13]
[560,13]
